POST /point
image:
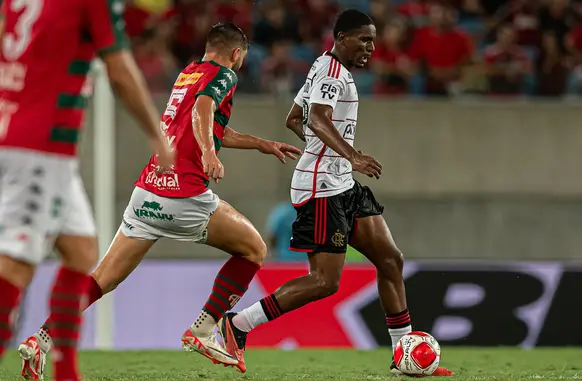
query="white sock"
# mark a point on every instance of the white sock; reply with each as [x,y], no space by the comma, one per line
[204,325]
[250,318]
[397,333]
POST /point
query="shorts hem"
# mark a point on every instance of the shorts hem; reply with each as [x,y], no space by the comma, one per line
[23,257]
[300,250]
[315,250]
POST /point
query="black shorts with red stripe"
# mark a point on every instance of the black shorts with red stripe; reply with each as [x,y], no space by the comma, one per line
[326,224]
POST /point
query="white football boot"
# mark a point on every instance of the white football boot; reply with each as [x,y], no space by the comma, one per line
[208,347]
[33,353]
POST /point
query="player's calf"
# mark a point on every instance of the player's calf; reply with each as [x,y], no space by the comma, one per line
[321,282]
[14,276]
[9,299]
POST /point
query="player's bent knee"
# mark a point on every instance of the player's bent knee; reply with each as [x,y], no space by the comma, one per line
[78,252]
[392,264]
[15,271]
[255,251]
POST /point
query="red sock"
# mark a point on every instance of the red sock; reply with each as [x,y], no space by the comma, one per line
[9,298]
[230,284]
[95,293]
[67,298]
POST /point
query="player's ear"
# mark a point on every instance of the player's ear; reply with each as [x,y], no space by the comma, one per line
[341,37]
[236,54]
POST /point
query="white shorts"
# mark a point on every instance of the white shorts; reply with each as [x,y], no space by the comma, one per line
[41,196]
[149,216]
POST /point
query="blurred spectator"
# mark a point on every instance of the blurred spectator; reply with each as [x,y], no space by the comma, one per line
[558,17]
[470,11]
[153,6]
[574,47]
[279,224]
[276,25]
[552,67]
[328,41]
[286,35]
[492,6]
[137,20]
[442,50]
[380,13]
[193,19]
[155,60]
[238,12]
[506,63]
[392,63]
[471,18]
[523,15]
[280,70]
[416,11]
[317,16]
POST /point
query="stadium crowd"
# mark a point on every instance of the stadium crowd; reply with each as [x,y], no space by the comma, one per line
[424,47]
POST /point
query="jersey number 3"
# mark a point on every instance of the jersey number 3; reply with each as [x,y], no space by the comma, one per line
[14,44]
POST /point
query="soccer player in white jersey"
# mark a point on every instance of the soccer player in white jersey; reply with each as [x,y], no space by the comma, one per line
[332,208]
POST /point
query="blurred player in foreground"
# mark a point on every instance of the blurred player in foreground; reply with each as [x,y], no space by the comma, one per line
[332,208]
[178,204]
[45,58]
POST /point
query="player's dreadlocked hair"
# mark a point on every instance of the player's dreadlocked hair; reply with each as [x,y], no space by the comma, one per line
[349,20]
[227,35]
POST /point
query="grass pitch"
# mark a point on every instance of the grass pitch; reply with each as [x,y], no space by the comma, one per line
[320,365]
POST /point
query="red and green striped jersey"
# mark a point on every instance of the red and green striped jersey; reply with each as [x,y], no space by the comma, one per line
[187,178]
[45,59]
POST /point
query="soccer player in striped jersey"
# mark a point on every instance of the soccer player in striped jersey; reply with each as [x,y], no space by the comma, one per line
[332,208]
[178,203]
[46,53]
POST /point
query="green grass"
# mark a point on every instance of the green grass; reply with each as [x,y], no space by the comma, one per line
[468,363]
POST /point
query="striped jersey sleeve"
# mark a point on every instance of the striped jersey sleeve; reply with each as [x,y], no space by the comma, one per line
[328,84]
[220,85]
[106,25]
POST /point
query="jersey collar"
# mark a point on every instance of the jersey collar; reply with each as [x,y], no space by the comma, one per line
[328,53]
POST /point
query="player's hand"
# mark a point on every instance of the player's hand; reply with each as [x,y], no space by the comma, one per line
[280,150]
[165,156]
[213,168]
[367,165]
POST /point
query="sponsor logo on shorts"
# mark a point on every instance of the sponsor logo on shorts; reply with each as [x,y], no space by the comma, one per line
[152,209]
[153,205]
[165,181]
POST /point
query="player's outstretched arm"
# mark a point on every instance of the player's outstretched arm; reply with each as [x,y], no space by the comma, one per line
[294,121]
[322,126]
[128,83]
[203,127]
[233,139]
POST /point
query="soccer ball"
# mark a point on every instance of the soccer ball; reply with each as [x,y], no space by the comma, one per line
[417,354]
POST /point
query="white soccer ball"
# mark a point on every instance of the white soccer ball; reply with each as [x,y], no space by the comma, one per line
[417,354]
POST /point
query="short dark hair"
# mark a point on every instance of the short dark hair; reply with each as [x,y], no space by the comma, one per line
[349,20]
[227,35]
